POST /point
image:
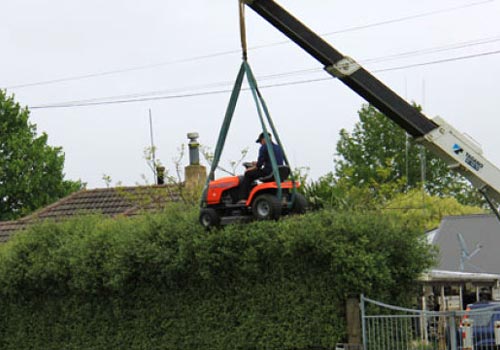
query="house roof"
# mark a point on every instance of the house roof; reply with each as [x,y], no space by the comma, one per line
[106,201]
[481,237]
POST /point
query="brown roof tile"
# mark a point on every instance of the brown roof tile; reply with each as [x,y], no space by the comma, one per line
[9,227]
[106,201]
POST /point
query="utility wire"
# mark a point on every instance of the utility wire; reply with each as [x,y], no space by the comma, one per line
[190,89]
[299,72]
[292,73]
[407,18]
[118,71]
[437,49]
[297,82]
[230,52]
[386,22]
[441,61]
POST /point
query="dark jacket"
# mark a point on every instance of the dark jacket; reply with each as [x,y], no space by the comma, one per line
[264,161]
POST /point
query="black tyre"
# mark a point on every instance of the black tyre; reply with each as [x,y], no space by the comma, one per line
[299,205]
[266,207]
[209,218]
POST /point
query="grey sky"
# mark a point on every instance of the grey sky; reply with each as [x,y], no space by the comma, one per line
[54,39]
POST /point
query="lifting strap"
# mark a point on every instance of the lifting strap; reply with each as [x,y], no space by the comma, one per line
[261,107]
[243,32]
[260,104]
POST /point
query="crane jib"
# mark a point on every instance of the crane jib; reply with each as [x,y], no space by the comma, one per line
[461,153]
[360,80]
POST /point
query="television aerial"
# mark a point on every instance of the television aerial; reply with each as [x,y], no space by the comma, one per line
[465,256]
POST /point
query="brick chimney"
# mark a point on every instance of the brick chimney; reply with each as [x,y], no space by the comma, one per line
[195,173]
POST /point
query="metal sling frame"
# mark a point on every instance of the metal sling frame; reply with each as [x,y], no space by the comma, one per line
[261,109]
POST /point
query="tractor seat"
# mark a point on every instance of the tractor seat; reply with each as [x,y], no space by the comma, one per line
[283,171]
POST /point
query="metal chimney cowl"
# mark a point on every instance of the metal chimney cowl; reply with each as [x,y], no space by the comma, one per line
[195,174]
[194,148]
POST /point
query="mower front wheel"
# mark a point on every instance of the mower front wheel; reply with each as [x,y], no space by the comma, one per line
[266,207]
[209,218]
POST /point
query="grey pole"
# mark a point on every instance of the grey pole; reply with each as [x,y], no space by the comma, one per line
[363,321]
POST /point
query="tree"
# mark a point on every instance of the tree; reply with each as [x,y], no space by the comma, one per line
[378,152]
[31,172]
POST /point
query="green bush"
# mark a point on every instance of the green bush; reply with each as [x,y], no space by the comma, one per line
[162,282]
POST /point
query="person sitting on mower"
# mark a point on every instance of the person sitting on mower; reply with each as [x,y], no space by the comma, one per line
[262,167]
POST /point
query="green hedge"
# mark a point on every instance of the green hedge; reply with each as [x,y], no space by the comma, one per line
[162,282]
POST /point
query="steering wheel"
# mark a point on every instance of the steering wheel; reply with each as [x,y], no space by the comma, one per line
[248,165]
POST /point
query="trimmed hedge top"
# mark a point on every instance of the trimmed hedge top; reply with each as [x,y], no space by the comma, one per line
[376,254]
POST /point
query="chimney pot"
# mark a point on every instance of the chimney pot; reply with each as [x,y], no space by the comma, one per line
[160,175]
[194,172]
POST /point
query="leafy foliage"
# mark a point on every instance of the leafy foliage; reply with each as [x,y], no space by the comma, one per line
[162,282]
[31,172]
[378,152]
[427,209]
[416,205]
[339,193]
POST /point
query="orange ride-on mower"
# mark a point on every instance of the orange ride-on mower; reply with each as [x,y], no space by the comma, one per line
[223,204]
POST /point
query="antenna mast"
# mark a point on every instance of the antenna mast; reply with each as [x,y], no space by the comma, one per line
[153,149]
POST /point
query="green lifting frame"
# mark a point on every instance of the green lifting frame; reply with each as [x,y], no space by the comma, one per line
[262,110]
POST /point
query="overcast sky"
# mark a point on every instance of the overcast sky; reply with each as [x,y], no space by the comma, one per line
[56,51]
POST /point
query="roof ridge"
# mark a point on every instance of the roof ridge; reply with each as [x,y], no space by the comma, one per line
[127,187]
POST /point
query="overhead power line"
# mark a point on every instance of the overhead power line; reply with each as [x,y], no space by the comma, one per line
[238,51]
[297,72]
[214,92]
[437,49]
[118,71]
[411,17]
[445,60]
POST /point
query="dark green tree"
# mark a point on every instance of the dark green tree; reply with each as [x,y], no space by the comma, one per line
[379,152]
[31,172]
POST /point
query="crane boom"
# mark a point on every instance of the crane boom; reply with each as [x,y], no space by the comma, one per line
[460,152]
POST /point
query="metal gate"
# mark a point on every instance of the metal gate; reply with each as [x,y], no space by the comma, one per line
[388,327]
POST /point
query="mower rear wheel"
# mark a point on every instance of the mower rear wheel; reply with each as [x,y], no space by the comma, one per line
[209,218]
[266,207]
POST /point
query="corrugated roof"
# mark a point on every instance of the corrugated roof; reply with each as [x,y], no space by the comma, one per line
[106,201]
